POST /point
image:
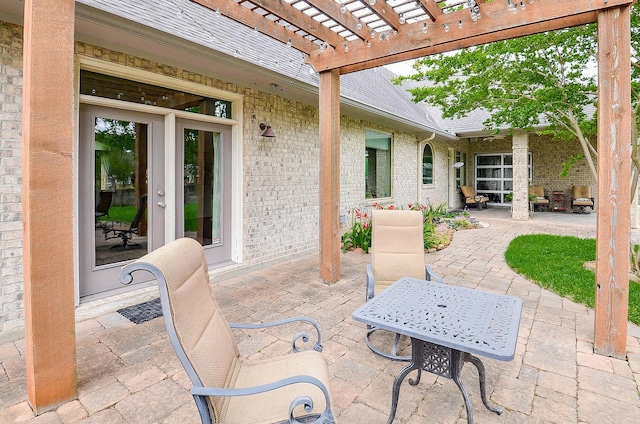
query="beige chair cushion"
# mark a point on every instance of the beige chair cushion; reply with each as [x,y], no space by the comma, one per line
[470,195]
[397,246]
[203,331]
[582,196]
[581,191]
[268,407]
[538,191]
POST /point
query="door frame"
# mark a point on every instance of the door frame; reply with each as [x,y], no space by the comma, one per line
[169,116]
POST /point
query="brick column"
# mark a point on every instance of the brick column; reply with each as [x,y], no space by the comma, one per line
[520,202]
[47,202]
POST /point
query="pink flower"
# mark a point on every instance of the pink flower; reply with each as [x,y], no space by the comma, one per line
[391,207]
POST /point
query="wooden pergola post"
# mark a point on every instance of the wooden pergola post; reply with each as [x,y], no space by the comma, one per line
[614,171]
[47,202]
[329,131]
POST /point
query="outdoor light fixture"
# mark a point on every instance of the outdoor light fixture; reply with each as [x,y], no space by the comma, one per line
[458,165]
[267,131]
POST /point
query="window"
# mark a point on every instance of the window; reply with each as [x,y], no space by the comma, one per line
[377,165]
[115,88]
[427,165]
[461,174]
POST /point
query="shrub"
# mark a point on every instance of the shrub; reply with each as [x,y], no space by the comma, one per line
[359,236]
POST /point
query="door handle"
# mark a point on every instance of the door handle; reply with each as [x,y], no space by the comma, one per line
[162,204]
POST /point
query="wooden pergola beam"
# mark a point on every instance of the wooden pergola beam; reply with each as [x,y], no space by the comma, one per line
[569,21]
[347,19]
[497,23]
[251,19]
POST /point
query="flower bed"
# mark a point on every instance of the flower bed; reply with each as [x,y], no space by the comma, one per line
[439,226]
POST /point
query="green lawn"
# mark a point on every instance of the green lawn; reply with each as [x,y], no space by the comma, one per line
[556,263]
[126,214]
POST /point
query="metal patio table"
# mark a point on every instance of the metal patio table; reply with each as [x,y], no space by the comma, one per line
[447,325]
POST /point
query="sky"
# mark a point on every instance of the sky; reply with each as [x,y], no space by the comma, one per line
[401,68]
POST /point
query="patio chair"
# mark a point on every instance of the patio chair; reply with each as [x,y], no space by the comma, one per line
[471,198]
[102,208]
[227,388]
[397,250]
[581,199]
[124,231]
[541,201]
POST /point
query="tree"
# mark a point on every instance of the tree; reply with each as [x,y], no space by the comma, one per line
[119,138]
[526,81]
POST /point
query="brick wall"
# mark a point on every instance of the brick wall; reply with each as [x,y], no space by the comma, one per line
[11,283]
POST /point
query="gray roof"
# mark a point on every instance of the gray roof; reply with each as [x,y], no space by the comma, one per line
[371,89]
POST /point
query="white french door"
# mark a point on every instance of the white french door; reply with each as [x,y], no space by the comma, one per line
[121,157]
[123,161]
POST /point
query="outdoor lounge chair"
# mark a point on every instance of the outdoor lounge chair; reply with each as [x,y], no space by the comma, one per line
[581,199]
[471,198]
[541,200]
[227,388]
[123,231]
[397,250]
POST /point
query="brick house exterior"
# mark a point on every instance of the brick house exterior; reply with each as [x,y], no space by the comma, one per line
[280,198]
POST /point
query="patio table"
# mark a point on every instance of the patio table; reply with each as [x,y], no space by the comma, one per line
[447,326]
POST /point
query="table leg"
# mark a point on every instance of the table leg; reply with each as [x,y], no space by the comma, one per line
[481,376]
[457,359]
[396,388]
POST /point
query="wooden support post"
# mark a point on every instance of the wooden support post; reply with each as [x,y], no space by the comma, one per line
[613,222]
[47,202]
[330,175]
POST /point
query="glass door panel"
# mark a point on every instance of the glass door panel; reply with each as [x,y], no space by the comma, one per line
[202,186]
[120,185]
[204,167]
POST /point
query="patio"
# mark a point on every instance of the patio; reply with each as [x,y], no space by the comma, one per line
[124,368]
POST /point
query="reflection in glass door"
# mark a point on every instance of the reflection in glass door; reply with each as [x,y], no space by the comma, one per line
[206,165]
[120,183]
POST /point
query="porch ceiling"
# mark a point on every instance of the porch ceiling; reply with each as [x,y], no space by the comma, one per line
[352,35]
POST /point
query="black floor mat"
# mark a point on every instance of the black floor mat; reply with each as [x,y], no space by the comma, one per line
[143,312]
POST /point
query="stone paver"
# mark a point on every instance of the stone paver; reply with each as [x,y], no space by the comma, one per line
[129,374]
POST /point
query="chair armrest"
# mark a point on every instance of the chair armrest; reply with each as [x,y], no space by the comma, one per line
[430,275]
[370,283]
[325,418]
[303,335]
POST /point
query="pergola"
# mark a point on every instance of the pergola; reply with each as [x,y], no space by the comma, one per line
[338,37]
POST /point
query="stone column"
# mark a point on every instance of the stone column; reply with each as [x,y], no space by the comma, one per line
[520,202]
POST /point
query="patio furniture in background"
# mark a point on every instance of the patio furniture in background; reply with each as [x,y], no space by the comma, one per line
[226,387]
[471,198]
[397,250]
[124,231]
[581,199]
[102,208]
[541,201]
[447,325]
